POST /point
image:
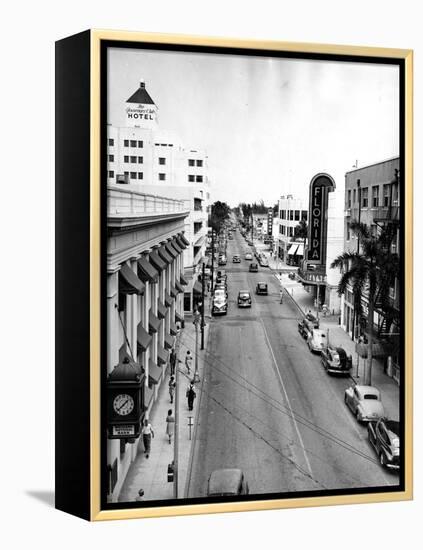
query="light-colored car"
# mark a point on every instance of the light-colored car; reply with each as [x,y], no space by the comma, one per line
[263,261]
[317,340]
[248,256]
[220,303]
[365,402]
[227,482]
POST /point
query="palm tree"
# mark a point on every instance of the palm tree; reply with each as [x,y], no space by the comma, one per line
[370,273]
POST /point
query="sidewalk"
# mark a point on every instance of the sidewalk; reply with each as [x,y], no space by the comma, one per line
[338,337]
[151,474]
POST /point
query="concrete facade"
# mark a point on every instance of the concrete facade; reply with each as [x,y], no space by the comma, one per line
[291,211]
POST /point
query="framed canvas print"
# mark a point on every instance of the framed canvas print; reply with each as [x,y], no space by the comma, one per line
[234,275]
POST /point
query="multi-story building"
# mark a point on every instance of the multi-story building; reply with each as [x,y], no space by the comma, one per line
[372,197]
[145,287]
[140,154]
[291,212]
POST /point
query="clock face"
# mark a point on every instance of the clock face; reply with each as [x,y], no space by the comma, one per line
[123,404]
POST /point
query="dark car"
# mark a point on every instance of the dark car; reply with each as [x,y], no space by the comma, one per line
[305,327]
[261,289]
[227,482]
[222,260]
[244,298]
[253,267]
[336,360]
[384,436]
[291,275]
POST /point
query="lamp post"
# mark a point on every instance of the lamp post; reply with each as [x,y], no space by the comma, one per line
[197,320]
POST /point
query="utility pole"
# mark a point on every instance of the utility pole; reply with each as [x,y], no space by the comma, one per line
[203,306]
[212,267]
[176,435]
[197,317]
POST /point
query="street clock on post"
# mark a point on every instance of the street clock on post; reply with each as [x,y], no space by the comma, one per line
[124,406]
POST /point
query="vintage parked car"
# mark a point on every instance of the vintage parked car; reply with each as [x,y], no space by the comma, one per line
[384,436]
[317,340]
[263,261]
[336,360]
[365,402]
[305,328]
[313,319]
[244,298]
[220,303]
[253,268]
[222,260]
[221,286]
[236,259]
[248,256]
[261,289]
[227,482]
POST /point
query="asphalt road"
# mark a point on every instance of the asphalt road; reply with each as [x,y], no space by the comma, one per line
[267,405]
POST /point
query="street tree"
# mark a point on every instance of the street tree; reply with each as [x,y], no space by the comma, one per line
[370,273]
[301,231]
[220,212]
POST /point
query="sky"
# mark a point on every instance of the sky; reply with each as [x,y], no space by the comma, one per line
[268,125]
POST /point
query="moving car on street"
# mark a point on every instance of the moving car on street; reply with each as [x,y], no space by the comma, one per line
[248,256]
[365,402]
[253,268]
[244,298]
[227,482]
[336,360]
[384,436]
[220,303]
[236,259]
[263,261]
[261,289]
[316,340]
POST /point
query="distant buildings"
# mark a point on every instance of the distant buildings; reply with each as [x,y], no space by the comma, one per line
[291,211]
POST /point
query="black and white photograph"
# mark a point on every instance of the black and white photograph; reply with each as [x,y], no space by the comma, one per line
[253,276]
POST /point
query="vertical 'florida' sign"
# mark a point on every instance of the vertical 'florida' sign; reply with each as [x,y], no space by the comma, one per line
[320,186]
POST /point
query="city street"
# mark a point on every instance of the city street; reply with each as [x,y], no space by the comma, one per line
[267,406]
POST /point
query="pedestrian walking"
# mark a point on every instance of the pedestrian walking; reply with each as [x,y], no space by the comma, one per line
[172,386]
[172,360]
[147,434]
[191,395]
[170,425]
[188,362]
[140,496]
[281,296]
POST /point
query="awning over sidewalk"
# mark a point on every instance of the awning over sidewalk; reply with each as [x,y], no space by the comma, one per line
[146,271]
[161,310]
[153,322]
[184,239]
[148,397]
[173,329]
[180,243]
[129,282]
[164,255]
[179,287]
[178,317]
[168,341]
[176,246]
[154,372]
[300,250]
[292,249]
[143,338]
[173,291]
[157,262]
[379,349]
[162,355]
[183,280]
[168,299]
[171,250]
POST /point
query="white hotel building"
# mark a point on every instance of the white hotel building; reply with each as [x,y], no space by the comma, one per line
[152,161]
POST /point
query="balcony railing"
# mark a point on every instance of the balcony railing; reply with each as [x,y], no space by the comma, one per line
[126,202]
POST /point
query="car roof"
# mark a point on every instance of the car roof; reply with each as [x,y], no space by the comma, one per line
[262,283]
[367,389]
[226,480]
[244,291]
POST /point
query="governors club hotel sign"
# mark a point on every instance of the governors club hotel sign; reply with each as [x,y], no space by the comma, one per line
[320,186]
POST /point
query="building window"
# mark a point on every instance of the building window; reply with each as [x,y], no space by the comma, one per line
[162,177]
[349,198]
[386,189]
[283,214]
[133,159]
[140,175]
[199,163]
[191,162]
[304,215]
[297,215]
[365,197]
[133,175]
[126,142]
[291,231]
[111,142]
[191,178]
[162,160]
[375,196]
[126,158]
[111,158]
[140,160]
[354,196]
[111,174]
[126,173]
[291,215]
[133,143]
[348,231]
[140,144]
[199,179]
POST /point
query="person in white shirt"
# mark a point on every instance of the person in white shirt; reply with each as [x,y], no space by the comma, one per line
[147,434]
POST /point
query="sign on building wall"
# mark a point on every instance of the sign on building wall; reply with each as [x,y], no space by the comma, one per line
[136,114]
[270,221]
[320,187]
